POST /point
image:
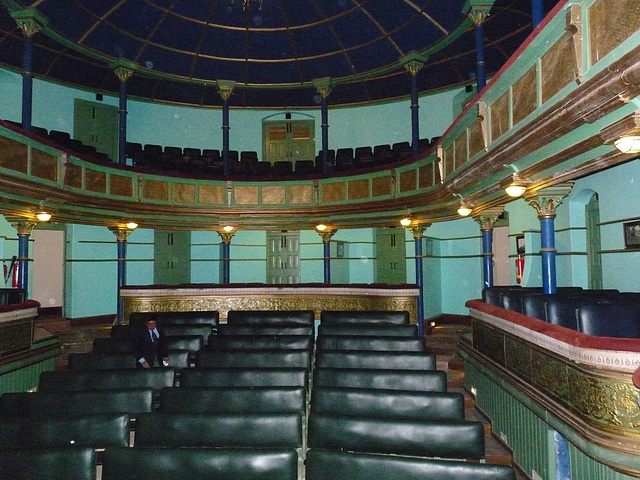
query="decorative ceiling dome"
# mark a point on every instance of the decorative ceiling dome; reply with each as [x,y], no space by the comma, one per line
[275,51]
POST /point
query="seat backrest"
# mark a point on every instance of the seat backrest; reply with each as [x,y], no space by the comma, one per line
[232,400]
[49,463]
[364,316]
[260,342]
[202,463]
[563,310]
[388,344]
[101,361]
[208,317]
[96,431]
[493,295]
[112,345]
[413,380]
[244,377]
[271,318]
[180,358]
[444,439]
[368,329]
[359,402]
[376,360]
[618,320]
[535,305]
[191,331]
[323,464]
[254,359]
[258,330]
[61,381]
[192,343]
[92,402]
[231,430]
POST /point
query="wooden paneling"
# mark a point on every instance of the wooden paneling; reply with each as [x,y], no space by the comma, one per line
[274,195]
[14,155]
[611,22]
[155,190]
[300,194]
[44,166]
[557,67]
[499,117]
[95,181]
[73,175]
[333,192]
[381,186]
[408,181]
[184,193]
[246,195]
[212,194]
[121,185]
[525,96]
[358,189]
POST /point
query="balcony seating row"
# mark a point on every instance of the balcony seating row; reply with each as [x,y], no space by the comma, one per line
[600,312]
[10,296]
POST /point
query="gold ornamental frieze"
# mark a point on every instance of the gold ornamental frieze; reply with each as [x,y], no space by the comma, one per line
[588,387]
[270,299]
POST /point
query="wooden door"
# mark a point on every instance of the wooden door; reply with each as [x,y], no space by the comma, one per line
[288,140]
[283,257]
[96,124]
[391,258]
[172,257]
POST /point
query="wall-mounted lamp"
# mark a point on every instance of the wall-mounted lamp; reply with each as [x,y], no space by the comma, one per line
[628,144]
[517,187]
[405,222]
[321,227]
[623,134]
[228,228]
[464,210]
[43,216]
[131,225]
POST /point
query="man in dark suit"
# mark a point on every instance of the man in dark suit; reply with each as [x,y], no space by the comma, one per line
[150,345]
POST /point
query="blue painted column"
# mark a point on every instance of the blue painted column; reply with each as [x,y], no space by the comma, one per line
[418,232]
[24,228]
[478,14]
[27,83]
[486,220]
[123,70]
[324,86]
[121,234]
[326,244]
[413,66]
[225,89]
[226,236]
[545,202]
[537,12]
[30,23]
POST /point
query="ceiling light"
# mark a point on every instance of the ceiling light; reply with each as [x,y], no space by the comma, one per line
[131,225]
[628,144]
[517,187]
[464,210]
[405,222]
[227,228]
[43,216]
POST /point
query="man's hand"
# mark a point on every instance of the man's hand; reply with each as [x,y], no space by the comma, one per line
[145,364]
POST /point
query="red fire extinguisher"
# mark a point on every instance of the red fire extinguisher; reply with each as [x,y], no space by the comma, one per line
[519,268]
[15,267]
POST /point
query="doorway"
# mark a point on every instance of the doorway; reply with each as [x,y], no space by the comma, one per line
[594,258]
[283,257]
[47,276]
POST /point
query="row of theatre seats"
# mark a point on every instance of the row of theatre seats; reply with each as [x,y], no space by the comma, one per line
[9,296]
[246,163]
[264,398]
[64,140]
[598,312]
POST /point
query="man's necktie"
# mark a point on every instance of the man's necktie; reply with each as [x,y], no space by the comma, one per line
[154,337]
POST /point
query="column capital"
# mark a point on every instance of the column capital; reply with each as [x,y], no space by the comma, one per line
[226,236]
[418,230]
[413,62]
[121,233]
[326,235]
[488,217]
[324,86]
[23,226]
[225,88]
[30,21]
[123,69]
[478,10]
[546,201]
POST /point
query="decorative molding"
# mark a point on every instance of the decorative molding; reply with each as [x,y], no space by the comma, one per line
[547,200]
[225,88]
[574,26]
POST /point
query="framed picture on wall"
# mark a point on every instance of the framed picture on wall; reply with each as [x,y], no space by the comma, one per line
[631,234]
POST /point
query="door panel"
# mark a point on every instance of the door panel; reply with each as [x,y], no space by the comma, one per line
[283,257]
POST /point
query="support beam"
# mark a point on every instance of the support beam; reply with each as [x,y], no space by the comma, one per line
[225,89]
[324,87]
[121,233]
[486,219]
[123,69]
[226,236]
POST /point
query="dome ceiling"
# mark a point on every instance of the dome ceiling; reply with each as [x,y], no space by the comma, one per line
[273,49]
